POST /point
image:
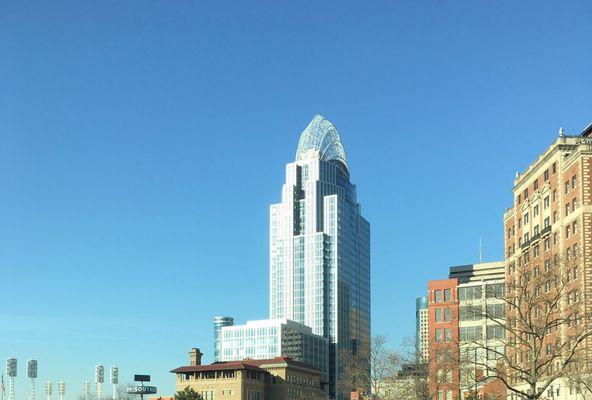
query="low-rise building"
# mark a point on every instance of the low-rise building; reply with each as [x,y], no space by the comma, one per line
[279,378]
[466,325]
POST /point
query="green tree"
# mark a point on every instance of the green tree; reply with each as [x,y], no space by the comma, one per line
[188,394]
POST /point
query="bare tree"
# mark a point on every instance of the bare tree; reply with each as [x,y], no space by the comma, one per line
[369,367]
[543,325]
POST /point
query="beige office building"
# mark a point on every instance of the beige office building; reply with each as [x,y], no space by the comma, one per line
[280,378]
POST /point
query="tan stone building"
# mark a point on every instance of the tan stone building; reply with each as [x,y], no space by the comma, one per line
[280,378]
[548,236]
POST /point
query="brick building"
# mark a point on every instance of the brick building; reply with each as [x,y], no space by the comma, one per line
[443,374]
[548,233]
[460,329]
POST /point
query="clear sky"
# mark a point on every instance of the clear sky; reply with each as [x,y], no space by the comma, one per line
[142,142]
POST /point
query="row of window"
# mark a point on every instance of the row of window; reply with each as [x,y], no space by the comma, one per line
[536,182]
[443,295]
[569,251]
[569,184]
[443,315]
[471,333]
[475,313]
[443,335]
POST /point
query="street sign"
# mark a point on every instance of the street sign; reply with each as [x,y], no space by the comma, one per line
[142,378]
[141,389]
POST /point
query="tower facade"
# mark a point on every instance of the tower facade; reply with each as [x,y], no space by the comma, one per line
[320,248]
[219,323]
[421,329]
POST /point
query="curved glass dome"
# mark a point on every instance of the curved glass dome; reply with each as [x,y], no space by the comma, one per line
[320,139]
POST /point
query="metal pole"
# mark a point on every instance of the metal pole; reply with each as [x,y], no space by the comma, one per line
[11,389]
[32,390]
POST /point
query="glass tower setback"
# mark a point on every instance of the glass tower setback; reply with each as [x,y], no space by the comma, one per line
[320,247]
[219,323]
[270,338]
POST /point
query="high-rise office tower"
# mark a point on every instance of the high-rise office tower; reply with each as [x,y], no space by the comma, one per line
[320,248]
[421,329]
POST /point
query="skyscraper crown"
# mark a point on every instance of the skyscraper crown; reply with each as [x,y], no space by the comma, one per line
[320,139]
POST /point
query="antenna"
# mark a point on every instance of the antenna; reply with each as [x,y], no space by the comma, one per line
[480,250]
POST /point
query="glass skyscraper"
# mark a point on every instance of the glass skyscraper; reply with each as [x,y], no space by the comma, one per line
[320,248]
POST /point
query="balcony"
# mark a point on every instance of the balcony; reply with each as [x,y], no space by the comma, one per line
[546,231]
[525,245]
[535,237]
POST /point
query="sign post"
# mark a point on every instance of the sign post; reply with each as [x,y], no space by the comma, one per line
[141,389]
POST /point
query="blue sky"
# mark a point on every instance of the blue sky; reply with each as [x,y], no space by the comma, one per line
[141,144]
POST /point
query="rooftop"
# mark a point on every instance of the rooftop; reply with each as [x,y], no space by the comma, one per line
[320,140]
[249,364]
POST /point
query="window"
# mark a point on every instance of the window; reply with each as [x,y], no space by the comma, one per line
[574,227]
[546,175]
[536,230]
[554,167]
[448,332]
[536,184]
[525,193]
[519,199]
[547,244]
[554,196]
[567,209]
[469,313]
[526,218]
[574,204]
[546,202]
[495,310]
[495,290]
[447,315]
[447,295]
[438,296]
[573,182]
[567,187]
[567,232]
[536,210]
[469,293]
[555,215]
[438,335]
[547,222]
[467,333]
[495,332]
[438,315]
[555,239]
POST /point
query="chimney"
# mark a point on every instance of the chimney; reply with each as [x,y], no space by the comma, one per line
[195,357]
